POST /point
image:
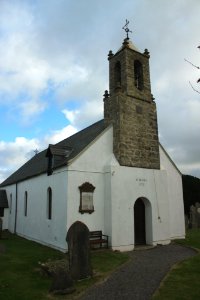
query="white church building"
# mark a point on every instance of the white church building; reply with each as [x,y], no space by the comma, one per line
[113,176]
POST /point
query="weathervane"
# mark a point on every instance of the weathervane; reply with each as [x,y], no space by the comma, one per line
[126,28]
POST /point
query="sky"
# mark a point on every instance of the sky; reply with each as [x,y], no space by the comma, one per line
[54,71]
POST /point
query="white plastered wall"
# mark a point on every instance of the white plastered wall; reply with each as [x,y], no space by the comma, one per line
[9,213]
[90,167]
[175,192]
[5,218]
[36,226]
[127,185]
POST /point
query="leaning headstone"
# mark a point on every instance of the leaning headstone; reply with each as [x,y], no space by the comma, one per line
[1,227]
[79,251]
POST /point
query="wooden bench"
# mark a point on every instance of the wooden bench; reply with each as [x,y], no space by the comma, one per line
[97,238]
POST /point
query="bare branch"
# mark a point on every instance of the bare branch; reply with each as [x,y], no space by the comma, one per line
[194,88]
[192,64]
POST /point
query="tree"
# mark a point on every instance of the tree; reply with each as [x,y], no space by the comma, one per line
[191,191]
[197,67]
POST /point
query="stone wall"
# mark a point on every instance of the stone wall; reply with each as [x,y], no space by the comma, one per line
[135,132]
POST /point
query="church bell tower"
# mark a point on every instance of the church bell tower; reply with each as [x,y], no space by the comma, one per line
[130,108]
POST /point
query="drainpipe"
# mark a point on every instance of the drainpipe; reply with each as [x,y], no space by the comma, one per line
[16,194]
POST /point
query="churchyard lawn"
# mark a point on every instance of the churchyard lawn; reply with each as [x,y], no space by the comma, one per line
[182,283]
[21,276]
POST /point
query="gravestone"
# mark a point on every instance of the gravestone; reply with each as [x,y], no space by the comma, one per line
[186,222]
[195,215]
[79,251]
[1,227]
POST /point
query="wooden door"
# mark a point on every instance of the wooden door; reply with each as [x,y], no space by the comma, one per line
[139,220]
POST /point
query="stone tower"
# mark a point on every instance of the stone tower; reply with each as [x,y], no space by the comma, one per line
[131,109]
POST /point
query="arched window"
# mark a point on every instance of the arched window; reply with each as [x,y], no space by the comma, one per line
[138,75]
[118,74]
[49,203]
[25,203]
[10,203]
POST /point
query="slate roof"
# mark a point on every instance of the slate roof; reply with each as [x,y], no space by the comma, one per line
[3,199]
[38,163]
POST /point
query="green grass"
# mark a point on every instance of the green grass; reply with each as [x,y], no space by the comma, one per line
[21,277]
[183,282]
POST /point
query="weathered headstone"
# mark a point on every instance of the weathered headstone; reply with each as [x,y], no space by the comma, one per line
[79,251]
[195,215]
[198,214]
[1,227]
[192,216]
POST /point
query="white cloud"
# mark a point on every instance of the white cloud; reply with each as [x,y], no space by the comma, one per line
[91,112]
[71,115]
[16,153]
[59,135]
[31,108]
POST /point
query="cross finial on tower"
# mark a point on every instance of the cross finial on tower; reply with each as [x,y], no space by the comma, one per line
[127,30]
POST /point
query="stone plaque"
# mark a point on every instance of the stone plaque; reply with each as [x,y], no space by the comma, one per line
[87,201]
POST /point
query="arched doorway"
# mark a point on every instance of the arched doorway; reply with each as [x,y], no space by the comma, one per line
[139,222]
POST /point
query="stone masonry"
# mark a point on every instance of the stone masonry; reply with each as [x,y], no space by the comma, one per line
[132,112]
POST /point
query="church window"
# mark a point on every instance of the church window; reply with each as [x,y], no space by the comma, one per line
[1,211]
[86,198]
[49,203]
[118,74]
[10,203]
[138,74]
[25,203]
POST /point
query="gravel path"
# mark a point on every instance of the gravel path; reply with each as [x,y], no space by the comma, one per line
[141,276]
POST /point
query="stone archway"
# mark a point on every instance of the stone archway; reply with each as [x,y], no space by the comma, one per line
[142,221]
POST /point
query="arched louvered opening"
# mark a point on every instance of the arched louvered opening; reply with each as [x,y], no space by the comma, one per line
[117,74]
[138,75]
